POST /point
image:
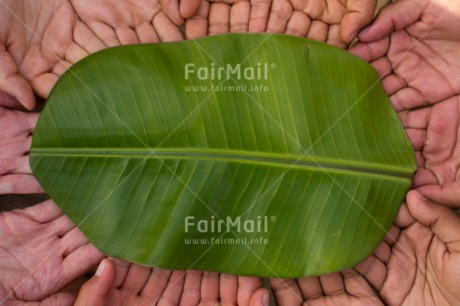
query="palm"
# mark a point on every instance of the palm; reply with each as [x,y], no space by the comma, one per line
[15,173]
[415,266]
[333,21]
[345,288]
[41,251]
[46,37]
[420,67]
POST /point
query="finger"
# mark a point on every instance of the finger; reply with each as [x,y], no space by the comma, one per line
[61,226]
[136,278]
[383,66]
[219,18]
[318,31]
[172,293]
[333,37]
[359,14]
[146,33]
[408,98]
[417,119]
[96,290]
[73,240]
[392,84]
[126,35]
[403,220]
[21,166]
[280,13]
[188,8]
[228,288]
[105,33]
[191,292]
[417,138]
[172,10]
[121,271]
[332,284]
[19,184]
[75,53]
[60,68]
[210,287]
[310,287]
[166,30]
[44,83]
[443,221]
[80,262]
[395,16]
[441,136]
[371,51]
[298,24]
[260,10]
[447,194]
[44,212]
[156,284]
[383,252]
[8,101]
[392,236]
[260,298]
[13,83]
[197,26]
[286,291]
[239,17]
[356,285]
[424,177]
[247,286]
[374,271]
[86,39]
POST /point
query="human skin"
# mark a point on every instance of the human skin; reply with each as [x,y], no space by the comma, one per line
[41,251]
[39,40]
[414,45]
[15,139]
[333,21]
[120,283]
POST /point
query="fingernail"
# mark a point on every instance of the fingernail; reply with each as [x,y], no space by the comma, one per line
[101,267]
[6,188]
[265,298]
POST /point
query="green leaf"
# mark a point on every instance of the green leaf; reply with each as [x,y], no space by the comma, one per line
[307,155]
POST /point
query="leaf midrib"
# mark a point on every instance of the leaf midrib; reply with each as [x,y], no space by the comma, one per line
[241,156]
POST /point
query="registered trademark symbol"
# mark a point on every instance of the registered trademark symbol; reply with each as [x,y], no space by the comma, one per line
[273,66]
[273,218]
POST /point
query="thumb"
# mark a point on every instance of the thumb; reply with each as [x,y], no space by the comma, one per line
[359,14]
[444,222]
[395,16]
[259,298]
[95,291]
[14,84]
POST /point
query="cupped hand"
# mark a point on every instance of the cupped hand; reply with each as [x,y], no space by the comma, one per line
[39,40]
[341,288]
[332,21]
[415,46]
[419,263]
[16,130]
[41,251]
[118,282]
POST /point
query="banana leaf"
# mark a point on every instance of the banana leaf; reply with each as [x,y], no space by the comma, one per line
[249,154]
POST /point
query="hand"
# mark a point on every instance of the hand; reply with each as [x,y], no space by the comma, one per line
[341,288]
[40,39]
[419,264]
[415,46]
[332,21]
[117,282]
[15,139]
[41,251]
